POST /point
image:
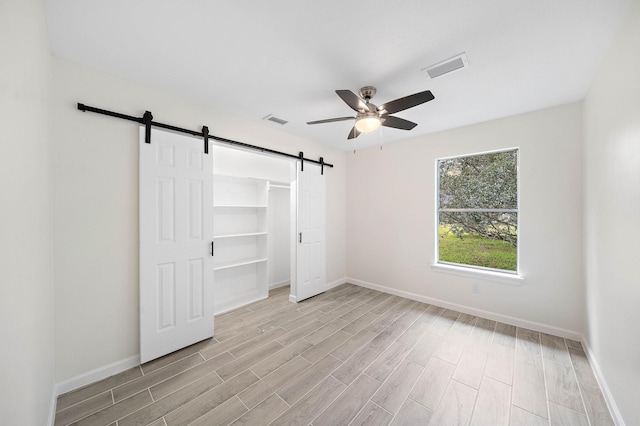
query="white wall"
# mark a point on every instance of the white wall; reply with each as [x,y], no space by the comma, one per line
[26,237]
[391,217]
[612,218]
[96,208]
[279,237]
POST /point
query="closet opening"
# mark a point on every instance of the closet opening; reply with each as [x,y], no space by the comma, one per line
[253,216]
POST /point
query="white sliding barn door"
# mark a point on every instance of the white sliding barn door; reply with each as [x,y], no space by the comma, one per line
[176,230]
[311,245]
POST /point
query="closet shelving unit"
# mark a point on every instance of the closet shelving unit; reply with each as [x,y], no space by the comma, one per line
[240,241]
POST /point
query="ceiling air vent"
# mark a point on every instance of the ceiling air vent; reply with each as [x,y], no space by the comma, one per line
[275,119]
[445,67]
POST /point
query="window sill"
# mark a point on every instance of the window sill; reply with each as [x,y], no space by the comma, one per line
[501,277]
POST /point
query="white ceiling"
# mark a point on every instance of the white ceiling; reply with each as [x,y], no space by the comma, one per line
[287,57]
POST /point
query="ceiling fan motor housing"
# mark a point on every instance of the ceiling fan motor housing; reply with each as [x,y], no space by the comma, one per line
[367,92]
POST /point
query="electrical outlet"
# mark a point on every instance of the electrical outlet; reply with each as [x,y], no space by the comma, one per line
[475,287]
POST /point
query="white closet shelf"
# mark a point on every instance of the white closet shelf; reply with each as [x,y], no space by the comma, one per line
[236,263]
[239,206]
[249,234]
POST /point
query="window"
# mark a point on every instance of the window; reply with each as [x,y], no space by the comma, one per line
[477,210]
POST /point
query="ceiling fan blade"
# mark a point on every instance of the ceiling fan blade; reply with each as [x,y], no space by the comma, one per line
[352,100]
[354,133]
[331,120]
[398,123]
[407,102]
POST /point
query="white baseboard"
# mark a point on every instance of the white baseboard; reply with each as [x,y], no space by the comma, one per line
[604,387]
[278,284]
[97,374]
[53,405]
[556,331]
[336,283]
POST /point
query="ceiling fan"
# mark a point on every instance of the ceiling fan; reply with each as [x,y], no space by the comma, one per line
[370,117]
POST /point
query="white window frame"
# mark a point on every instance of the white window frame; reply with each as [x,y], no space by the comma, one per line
[473,271]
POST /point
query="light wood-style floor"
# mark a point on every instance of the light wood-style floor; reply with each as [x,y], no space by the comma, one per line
[351,356]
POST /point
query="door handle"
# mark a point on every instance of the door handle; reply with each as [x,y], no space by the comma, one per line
[211,248]
[300,237]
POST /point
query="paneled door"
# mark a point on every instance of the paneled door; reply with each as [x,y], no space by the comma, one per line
[176,233]
[311,245]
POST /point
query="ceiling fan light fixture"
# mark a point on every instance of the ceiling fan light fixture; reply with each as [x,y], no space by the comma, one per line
[368,122]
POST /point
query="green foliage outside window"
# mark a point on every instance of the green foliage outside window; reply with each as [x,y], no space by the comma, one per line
[478,210]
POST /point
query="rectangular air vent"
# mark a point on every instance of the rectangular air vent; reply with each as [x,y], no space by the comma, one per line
[445,67]
[275,119]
